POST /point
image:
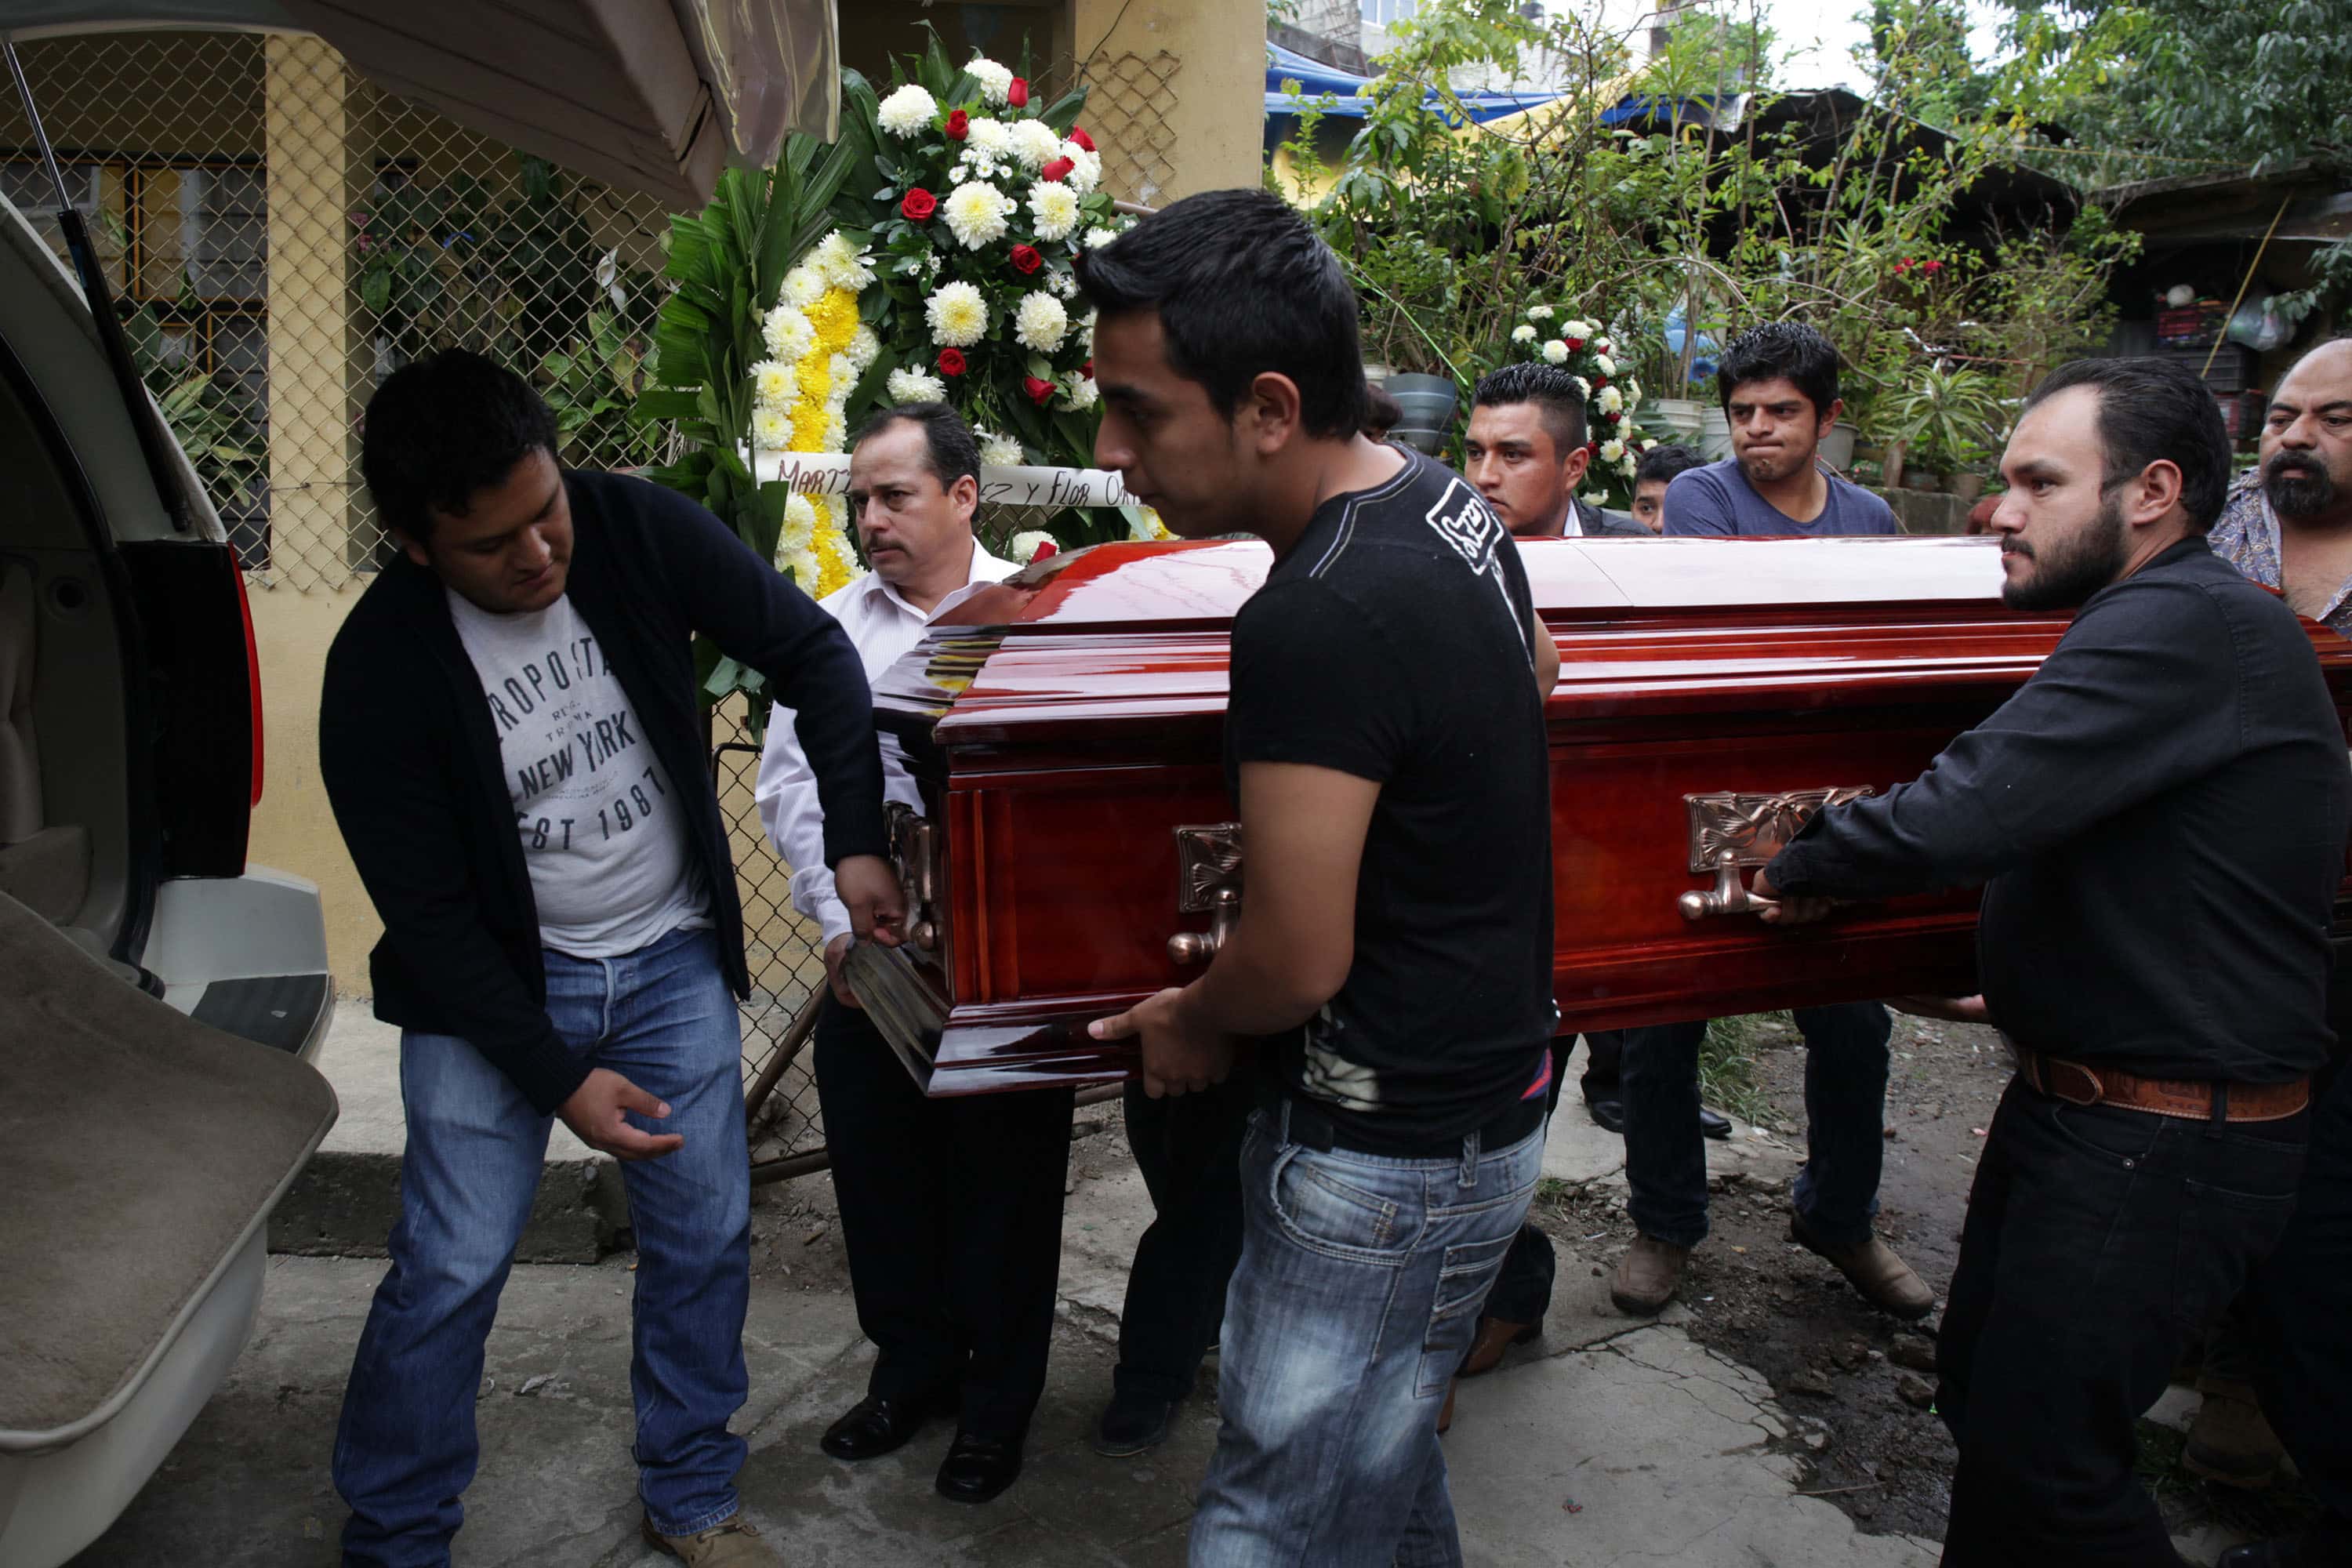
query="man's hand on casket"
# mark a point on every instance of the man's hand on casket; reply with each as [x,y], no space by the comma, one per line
[1180,1055]
[877,904]
[1951,1009]
[834,952]
[1787,911]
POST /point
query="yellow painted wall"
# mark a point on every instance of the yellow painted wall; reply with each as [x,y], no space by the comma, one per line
[1219,93]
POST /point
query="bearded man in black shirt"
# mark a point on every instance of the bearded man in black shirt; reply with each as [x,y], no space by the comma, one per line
[2158,818]
[1393,956]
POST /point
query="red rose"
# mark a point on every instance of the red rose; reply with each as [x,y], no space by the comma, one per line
[1025,259]
[1040,391]
[958,126]
[1059,169]
[1601,383]
[1045,548]
[1017,95]
[951,361]
[918,204]
[1087,370]
[1616,418]
[1576,345]
[1078,134]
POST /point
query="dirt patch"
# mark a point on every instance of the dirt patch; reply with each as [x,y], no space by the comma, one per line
[1858,1382]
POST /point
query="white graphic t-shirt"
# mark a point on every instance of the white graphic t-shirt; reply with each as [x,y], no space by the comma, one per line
[603,829]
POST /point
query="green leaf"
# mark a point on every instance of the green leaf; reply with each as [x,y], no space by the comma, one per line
[668,402]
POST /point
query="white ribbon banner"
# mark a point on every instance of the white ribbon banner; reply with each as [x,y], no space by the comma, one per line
[827,474]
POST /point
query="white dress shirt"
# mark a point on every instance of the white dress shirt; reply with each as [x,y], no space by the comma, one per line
[884,625]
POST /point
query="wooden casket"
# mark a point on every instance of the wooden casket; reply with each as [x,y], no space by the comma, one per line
[1078,850]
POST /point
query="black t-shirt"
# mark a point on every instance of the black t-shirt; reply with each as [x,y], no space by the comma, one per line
[1394,643]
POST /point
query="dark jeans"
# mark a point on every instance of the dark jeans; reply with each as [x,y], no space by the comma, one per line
[1845,1133]
[1604,1065]
[2301,1308]
[951,1213]
[1189,1149]
[2099,1244]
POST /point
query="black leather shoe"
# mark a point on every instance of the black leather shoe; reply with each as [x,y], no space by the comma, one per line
[873,1428]
[1714,1124]
[1133,1423]
[977,1468]
[1607,1114]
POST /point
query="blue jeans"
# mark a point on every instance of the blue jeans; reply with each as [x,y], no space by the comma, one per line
[1846,1128]
[664,1018]
[1356,1296]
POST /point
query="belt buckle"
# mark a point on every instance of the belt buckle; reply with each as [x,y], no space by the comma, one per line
[2097,1089]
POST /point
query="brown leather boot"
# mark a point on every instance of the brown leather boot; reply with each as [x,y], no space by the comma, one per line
[1648,1276]
[1495,1335]
[2231,1443]
[1886,1282]
[1446,1411]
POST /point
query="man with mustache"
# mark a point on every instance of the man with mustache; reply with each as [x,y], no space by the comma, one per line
[2289,525]
[2159,820]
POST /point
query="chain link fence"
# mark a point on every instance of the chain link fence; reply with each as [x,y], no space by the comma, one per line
[282,235]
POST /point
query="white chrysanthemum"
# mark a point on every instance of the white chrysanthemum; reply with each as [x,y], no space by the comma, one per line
[1086,168]
[1099,237]
[840,263]
[1034,144]
[1078,391]
[957,314]
[1523,333]
[1026,544]
[1064,286]
[1629,467]
[1632,391]
[1555,353]
[999,451]
[1647,444]
[909,111]
[804,568]
[976,214]
[995,80]
[1608,367]
[1611,401]
[1602,345]
[988,138]
[1041,322]
[803,287]
[772,428]
[774,382]
[800,524]
[1056,208]
[916,387]
[788,333]
[1594,498]
[1611,450]
[1539,312]
[1087,331]
[864,349]
[837,428]
[959,175]
[1582,385]
[1575,329]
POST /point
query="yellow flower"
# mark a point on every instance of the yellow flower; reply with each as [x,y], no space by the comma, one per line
[808,426]
[832,564]
[817,379]
[835,317]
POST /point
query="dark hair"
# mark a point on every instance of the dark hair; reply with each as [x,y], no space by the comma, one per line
[1382,413]
[1550,389]
[443,427]
[954,451]
[1243,287]
[2149,410]
[1776,349]
[1666,462]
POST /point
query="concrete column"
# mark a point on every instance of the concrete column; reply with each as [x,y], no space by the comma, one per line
[1217,117]
[313,455]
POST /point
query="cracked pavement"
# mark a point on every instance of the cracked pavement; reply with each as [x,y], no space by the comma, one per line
[1605,1442]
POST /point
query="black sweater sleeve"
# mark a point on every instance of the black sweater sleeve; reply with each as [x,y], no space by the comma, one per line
[760,620]
[391,779]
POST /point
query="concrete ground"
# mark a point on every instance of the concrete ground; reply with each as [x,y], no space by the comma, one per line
[1606,1442]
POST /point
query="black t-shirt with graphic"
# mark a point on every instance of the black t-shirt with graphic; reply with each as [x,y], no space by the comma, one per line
[1394,643]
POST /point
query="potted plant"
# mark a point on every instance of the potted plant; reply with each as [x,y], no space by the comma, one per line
[1940,415]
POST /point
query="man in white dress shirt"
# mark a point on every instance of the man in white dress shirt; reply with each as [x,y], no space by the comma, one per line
[950,1209]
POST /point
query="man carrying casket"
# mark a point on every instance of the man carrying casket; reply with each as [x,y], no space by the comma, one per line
[2159,818]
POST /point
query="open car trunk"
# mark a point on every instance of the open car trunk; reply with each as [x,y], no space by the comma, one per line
[144,1151]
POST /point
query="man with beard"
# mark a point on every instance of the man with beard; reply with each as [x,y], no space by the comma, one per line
[2290,523]
[2158,818]
[1779,384]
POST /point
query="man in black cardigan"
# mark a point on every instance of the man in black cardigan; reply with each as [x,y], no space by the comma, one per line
[510,735]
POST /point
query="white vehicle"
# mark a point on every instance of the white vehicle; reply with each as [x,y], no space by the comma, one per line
[159,999]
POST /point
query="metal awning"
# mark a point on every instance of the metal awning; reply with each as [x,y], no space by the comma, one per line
[647,95]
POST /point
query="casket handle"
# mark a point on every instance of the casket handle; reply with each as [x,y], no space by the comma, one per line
[1200,946]
[1729,896]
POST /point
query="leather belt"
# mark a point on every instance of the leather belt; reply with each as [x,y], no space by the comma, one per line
[2190,1099]
[1314,1129]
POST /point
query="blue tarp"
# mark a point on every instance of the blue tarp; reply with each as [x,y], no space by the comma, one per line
[1315,79]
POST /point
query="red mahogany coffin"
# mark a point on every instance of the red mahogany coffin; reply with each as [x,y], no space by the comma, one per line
[1065,726]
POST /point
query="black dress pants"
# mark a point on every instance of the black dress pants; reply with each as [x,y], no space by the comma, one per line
[951,1213]
[2099,1244]
[1189,1149]
[2301,1311]
[1522,1290]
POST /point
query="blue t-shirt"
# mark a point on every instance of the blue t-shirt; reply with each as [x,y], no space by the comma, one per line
[1718,499]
